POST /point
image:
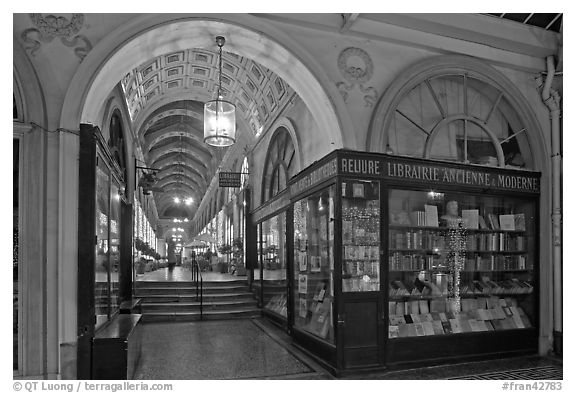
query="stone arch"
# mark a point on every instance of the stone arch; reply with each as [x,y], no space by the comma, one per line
[27,89]
[421,71]
[157,34]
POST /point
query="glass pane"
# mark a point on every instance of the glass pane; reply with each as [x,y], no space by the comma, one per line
[102,266]
[275,257]
[314,264]
[15,221]
[257,283]
[459,263]
[360,236]
[114,246]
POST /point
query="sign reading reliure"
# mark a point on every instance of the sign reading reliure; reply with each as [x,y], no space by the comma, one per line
[229,179]
[388,168]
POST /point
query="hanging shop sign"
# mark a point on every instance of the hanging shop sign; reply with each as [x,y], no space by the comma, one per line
[229,179]
[420,171]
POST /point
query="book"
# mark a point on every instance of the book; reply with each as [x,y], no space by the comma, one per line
[400,308]
[447,327]
[519,222]
[415,318]
[493,221]
[302,259]
[419,329]
[465,325]
[358,190]
[412,330]
[403,330]
[423,305]
[414,307]
[428,328]
[315,264]
[426,317]
[397,320]
[482,222]
[303,308]
[393,331]
[302,283]
[418,218]
[455,326]
[497,324]
[431,215]
[470,218]
[437,306]
[518,321]
[408,319]
[437,326]
[507,222]
[475,325]
[391,308]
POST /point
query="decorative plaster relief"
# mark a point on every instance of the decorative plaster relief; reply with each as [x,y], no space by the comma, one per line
[49,27]
[356,66]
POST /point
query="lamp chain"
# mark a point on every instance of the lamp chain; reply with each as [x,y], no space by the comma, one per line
[219,72]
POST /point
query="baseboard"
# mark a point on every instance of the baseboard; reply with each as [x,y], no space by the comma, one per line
[558,343]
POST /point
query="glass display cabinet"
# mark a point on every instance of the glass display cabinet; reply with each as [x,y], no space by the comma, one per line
[104,233]
[400,260]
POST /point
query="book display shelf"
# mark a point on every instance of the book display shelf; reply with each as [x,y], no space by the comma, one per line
[360,236]
[395,261]
[314,264]
[459,270]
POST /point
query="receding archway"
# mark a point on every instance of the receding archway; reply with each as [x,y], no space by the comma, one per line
[154,35]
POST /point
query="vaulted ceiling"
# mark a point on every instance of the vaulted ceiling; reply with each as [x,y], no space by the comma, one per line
[165,98]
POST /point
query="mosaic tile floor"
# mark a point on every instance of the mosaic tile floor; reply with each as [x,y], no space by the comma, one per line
[231,349]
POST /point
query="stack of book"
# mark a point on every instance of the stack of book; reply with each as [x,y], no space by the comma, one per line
[414,318]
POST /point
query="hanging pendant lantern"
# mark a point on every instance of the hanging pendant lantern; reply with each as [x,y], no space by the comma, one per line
[219,114]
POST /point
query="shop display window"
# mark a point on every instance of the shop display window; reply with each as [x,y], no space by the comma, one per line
[314,264]
[114,245]
[360,236]
[274,259]
[101,266]
[459,263]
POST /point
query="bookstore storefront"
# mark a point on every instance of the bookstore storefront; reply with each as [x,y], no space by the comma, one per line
[270,283]
[399,260]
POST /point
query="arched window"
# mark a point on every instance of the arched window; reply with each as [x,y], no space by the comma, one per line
[116,141]
[454,115]
[280,164]
[244,176]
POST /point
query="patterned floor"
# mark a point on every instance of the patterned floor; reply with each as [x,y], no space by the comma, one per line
[234,349]
[538,373]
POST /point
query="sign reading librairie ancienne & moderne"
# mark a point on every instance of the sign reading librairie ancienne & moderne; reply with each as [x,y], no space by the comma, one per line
[415,171]
[229,179]
[421,171]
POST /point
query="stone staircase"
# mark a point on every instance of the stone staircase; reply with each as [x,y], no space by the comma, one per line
[166,301]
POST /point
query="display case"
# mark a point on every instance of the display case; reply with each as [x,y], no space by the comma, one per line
[459,263]
[270,283]
[313,289]
[400,260]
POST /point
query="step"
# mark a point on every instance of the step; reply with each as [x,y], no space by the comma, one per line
[193,306]
[195,315]
[185,284]
[169,298]
[143,291]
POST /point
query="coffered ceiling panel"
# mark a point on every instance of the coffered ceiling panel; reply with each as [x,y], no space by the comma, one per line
[165,98]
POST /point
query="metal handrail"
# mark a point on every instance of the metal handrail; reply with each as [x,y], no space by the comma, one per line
[199,282]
